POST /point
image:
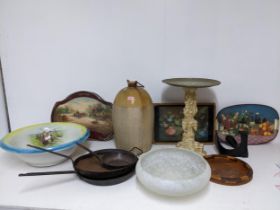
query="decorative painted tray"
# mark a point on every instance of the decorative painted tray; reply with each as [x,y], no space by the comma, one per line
[228,170]
[261,122]
[88,109]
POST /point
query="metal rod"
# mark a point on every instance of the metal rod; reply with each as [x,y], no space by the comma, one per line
[55,153]
[5,97]
[47,173]
[85,148]
[91,152]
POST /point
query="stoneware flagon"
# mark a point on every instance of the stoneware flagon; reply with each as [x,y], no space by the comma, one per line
[133,118]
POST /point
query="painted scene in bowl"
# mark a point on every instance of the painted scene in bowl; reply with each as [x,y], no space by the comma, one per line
[90,112]
[260,121]
[47,137]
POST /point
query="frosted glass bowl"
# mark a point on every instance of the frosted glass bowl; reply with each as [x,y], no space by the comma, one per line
[173,171]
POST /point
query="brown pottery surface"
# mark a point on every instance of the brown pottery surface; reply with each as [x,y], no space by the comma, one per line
[133,118]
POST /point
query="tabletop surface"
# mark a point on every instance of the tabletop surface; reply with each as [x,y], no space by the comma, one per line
[69,192]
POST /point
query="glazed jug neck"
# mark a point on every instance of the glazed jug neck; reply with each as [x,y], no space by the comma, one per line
[131,83]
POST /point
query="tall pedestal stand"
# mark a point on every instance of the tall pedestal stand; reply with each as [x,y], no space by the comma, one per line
[189,124]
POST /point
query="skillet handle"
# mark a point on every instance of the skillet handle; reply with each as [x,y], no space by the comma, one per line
[84,147]
[46,150]
[139,150]
[47,173]
[90,152]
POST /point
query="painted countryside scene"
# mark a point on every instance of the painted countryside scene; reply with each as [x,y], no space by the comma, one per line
[93,114]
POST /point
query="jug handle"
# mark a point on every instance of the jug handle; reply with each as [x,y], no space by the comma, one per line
[134,83]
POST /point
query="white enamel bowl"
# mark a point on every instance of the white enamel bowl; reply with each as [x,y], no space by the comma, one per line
[16,143]
[173,171]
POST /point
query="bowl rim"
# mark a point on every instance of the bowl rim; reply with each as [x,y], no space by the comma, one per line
[207,167]
[60,147]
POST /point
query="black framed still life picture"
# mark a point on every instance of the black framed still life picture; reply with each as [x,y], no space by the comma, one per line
[168,122]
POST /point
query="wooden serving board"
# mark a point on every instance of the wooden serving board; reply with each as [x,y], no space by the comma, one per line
[228,170]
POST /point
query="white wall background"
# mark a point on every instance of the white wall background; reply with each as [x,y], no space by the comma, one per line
[51,48]
[4,128]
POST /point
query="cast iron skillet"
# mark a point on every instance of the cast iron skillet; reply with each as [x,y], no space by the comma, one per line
[88,166]
[107,182]
[114,159]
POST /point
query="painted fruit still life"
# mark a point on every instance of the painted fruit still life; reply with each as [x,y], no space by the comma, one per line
[260,121]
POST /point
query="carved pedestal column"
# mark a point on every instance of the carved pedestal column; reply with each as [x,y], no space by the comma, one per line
[189,124]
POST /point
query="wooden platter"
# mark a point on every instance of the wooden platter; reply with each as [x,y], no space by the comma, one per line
[228,170]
